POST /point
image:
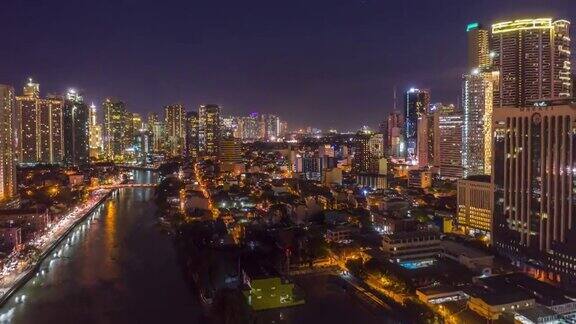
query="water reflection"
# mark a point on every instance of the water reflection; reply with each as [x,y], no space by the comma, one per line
[115,267]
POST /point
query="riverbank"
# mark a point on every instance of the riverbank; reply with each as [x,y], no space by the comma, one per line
[25,276]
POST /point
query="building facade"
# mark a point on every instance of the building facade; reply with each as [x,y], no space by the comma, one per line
[534,184]
[475,205]
[76,130]
[174,123]
[478,89]
[8,147]
[416,105]
[39,121]
[448,144]
[533,58]
[114,134]
[209,129]
[95,136]
[192,134]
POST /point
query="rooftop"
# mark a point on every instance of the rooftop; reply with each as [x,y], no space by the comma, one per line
[536,313]
[463,250]
[479,178]
[412,234]
[544,293]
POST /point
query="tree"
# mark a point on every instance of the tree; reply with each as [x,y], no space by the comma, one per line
[168,168]
[168,187]
[356,268]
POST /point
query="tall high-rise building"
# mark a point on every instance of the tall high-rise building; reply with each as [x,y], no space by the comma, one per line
[209,133]
[39,126]
[477,101]
[7,143]
[143,146]
[95,137]
[229,126]
[28,115]
[51,129]
[174,120]
[134,125]
[156,126]
[272,127]
[76,130]
[448,142]
[393,135]
[425,145]
[534,183]
[416,105]
[230,151]
[478,49]
[369,149]
[475,203]
[249,127]
[192,134]
[283,128]
[533,58]
[477,98]
[114,132]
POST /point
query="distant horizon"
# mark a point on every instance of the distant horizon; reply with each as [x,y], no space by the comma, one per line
[321,64]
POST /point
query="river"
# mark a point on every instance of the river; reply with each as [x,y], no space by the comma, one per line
[116,266]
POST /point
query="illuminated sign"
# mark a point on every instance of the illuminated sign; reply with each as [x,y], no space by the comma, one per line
[472,26]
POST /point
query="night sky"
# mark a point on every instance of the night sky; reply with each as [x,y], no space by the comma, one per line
[324,63]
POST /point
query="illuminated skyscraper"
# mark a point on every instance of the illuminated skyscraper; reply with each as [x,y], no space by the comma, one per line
[477,100]
[230,151]
[369,149]
[249,127]
[28,116]
[7,143]
[174,121]
[39,126]
[192,134]
[209,129]
[134,126]
[478,50]
[229,126]
[95,134]
[534,182]
[447,142]
[425,145]
[115,128]
[533,58]
[156,126]
[416,104]
[393,135]
[143,146]
[283,128]
[272,127]
[76,130]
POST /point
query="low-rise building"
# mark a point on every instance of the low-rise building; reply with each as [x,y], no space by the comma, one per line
[411,245]
[10,239]
[332,176]
[340,233]
[473,259]
[264,289]
[419,179]
[475,206]
[30,221]
[491,305]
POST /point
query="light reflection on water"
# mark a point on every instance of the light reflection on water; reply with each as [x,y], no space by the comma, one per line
[114,267]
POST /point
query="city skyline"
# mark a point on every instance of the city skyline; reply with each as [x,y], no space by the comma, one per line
[323,64]
[292,163]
